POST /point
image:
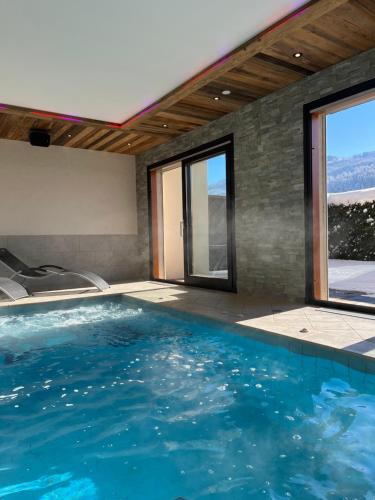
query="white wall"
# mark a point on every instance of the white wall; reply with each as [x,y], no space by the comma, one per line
[59,190]
[172,219]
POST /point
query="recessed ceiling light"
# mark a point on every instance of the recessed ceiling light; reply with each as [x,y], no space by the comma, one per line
[129,143]
[297,55]
[69,135]
[165,125]
[216,98]
[226,92]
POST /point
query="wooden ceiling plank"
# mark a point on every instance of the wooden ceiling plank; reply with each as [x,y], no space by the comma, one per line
[360,18]
[341,29]
[70,133]
[204,99]
[182,117]
[285,66]
[196,111]
[7,124]
[231,100]
[256,84]
[267,75]
[121,141]
[158,131]
[122,138]
[236,94]
[282,51]
[90,132]
[152,143]
[4,125]
[79,136]
[106,139]
[230,81]
[136,142]
[178,127]
[22,128]
[58,131]
[317,30]
[329,50]
[366,6]
[95,138]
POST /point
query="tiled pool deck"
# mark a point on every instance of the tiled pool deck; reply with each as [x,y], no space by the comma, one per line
[348,331]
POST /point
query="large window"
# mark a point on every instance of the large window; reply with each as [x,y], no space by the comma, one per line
[341,180]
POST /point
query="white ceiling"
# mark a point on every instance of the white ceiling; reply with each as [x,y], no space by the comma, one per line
[108,59]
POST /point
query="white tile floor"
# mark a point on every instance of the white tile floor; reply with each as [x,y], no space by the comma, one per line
[329,327]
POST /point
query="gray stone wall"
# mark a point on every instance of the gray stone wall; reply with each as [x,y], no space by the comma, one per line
[269,179]
[114,257]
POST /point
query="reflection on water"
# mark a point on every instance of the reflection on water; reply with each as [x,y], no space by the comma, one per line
[139,403]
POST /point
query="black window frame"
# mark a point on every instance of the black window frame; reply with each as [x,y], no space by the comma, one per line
[224,144]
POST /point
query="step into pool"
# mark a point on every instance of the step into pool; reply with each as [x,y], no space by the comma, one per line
[113,398]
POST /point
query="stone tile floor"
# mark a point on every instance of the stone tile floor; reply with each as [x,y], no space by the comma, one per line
[343,330]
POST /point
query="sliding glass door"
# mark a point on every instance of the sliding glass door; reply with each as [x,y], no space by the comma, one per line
[208,219]
[194,244]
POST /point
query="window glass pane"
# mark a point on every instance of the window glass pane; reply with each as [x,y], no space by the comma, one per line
[208,209]
[350,149]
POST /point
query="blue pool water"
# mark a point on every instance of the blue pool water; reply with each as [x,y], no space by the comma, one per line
[115,399]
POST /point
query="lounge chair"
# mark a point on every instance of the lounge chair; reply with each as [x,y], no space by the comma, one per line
[13,289]
[21,270]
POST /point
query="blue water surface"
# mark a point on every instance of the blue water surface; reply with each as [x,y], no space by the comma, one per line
[115,399]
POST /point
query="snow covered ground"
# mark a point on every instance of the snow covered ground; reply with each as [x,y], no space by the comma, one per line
[349,197]
[352,280]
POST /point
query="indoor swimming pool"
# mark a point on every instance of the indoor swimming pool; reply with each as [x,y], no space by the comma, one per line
[114,398]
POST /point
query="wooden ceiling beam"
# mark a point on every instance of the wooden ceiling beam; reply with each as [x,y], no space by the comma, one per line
[59,117]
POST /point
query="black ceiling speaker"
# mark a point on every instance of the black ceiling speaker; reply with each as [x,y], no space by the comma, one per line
[39,138]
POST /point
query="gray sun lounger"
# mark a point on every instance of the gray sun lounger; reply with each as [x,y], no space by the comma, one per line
[12,289]
[21,270]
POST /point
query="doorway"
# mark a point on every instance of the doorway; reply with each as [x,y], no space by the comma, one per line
[167,225]
[340,159]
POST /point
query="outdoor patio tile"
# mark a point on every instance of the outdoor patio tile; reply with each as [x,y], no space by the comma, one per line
[365,334]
